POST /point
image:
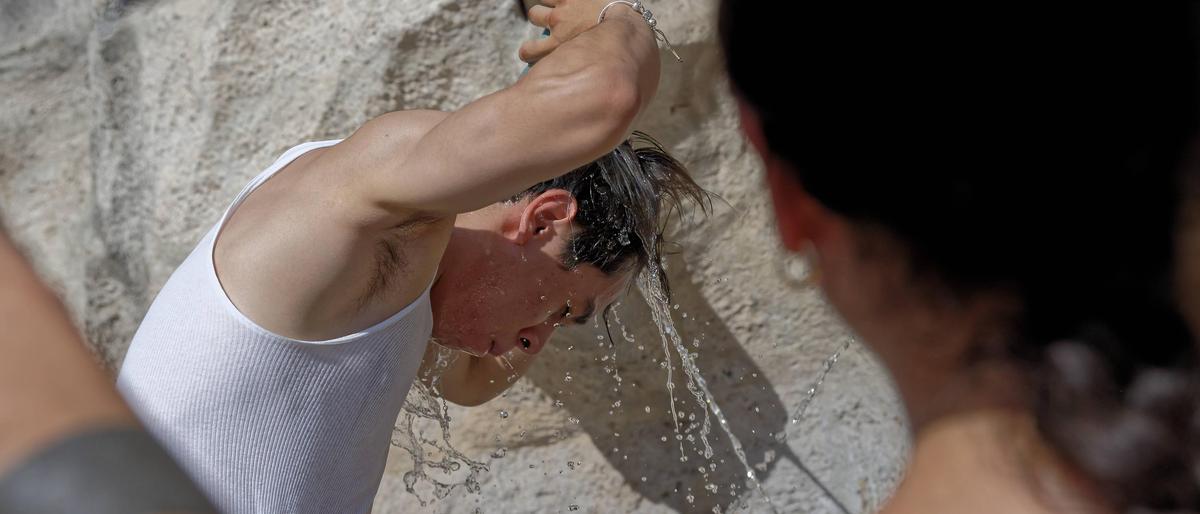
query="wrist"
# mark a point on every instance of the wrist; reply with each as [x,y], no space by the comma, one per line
[623,11]
[636,12]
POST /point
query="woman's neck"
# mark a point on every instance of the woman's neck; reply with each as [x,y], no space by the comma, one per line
[990,460]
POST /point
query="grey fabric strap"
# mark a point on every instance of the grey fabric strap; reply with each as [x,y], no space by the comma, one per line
[102,471]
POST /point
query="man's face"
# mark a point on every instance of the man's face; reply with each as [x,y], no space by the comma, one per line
[505,286]
[506,307]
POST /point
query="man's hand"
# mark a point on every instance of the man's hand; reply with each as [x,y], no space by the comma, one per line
[565,19]
[468,380]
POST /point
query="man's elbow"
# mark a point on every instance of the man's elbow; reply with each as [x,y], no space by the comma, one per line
[603,101]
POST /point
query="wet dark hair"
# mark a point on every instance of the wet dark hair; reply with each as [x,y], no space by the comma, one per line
[1038,153]
[625,200]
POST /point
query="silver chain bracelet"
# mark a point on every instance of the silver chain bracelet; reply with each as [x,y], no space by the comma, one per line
[636,5]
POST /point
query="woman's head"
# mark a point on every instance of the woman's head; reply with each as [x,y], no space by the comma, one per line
[1018,170]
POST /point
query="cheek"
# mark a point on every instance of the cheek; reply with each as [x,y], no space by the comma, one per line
[466,308]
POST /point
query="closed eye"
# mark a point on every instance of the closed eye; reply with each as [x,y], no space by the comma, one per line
[582,320]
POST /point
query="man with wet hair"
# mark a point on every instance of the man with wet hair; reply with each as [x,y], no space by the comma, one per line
[275,360]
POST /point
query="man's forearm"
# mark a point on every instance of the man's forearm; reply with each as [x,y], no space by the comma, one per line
[574,106]
[469,381]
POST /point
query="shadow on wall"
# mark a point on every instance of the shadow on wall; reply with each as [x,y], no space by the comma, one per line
[628,419]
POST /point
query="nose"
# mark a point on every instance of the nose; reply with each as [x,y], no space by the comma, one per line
[532,340]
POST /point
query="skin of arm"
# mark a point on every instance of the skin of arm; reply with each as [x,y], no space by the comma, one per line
[51,385]
[68,442]
[575,105]
[471,381]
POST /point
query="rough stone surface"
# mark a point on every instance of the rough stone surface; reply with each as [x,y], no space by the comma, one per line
[127,126]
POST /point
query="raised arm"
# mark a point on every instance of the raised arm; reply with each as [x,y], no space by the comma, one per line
[575,105]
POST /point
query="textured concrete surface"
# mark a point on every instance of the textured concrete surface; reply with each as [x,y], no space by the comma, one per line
[126,127]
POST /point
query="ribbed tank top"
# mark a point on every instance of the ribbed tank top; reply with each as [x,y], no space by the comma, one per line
[265,423]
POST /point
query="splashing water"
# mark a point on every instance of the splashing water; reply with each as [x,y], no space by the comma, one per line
[426,403]
[650,283]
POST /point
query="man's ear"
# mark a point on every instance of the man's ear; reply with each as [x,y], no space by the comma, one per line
[549,213]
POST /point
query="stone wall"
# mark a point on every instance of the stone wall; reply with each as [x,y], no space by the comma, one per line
[127,127]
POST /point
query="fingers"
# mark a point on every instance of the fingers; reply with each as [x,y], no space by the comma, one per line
[539,15]
[533,51]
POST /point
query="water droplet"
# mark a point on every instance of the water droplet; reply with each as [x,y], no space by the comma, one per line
[504,414]
[647,409]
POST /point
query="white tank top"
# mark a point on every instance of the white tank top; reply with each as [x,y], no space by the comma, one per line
[262,422]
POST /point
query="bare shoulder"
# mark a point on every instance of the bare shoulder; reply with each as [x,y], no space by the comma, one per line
[304,258]
[374,151]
